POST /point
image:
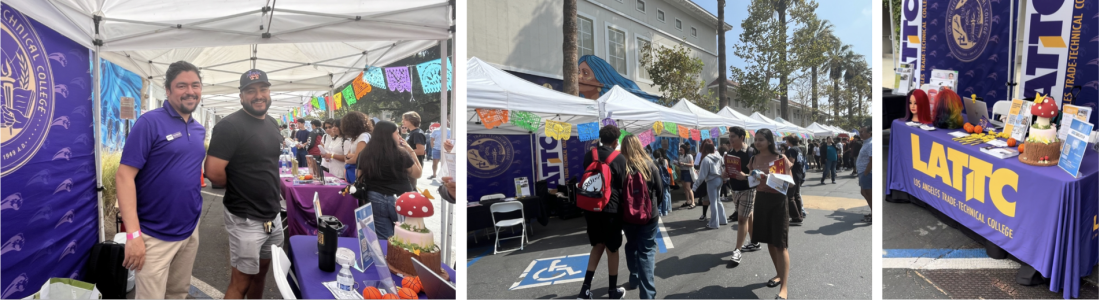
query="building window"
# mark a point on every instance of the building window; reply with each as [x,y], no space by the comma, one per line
[641,5]
[641,44]
[694,33]
[679,25]
[661,15]
[585,41]
[616,49]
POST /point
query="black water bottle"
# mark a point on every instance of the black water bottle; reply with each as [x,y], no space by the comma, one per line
[328,234]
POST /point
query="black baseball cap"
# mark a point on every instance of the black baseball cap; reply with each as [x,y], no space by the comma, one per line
[253,76]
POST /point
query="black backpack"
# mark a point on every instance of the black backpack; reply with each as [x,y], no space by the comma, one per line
[105,269]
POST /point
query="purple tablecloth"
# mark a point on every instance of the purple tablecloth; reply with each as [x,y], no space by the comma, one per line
[303,259]
[1041,215]
[301,219]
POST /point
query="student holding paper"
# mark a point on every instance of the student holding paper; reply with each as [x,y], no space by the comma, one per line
[771,220]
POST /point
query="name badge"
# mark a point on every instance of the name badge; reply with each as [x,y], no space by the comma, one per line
[174,136]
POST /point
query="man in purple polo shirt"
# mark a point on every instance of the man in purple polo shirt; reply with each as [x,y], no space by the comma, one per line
[157,193]
[244,153]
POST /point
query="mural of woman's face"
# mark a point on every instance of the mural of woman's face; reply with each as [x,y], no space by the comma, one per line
[589,86]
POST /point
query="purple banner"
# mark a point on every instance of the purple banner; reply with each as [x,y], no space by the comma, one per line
[494,161]
[972,37]
[48,212]
[1041,215]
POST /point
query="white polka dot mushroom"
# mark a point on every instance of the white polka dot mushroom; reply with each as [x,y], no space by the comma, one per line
[415,207]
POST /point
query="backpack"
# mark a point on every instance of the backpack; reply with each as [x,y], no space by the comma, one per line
[594,190]
[637,205]
[104,269]
[666,174]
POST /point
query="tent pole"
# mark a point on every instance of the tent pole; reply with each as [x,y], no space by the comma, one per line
[448,209]
[331,107]
[97,103]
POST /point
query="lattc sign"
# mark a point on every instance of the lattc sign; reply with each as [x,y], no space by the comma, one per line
[1052,38]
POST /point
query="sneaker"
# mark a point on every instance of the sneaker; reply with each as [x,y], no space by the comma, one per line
[585,295]
[796,223]
[750,247]
[733,218]
[617,294]
[702,219]
[727,199]
[736,258]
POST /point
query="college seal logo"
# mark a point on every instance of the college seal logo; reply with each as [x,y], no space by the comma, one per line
[968,27]
[489,156]
[26,110]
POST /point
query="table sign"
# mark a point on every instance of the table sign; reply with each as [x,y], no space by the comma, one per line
[364,225]
[942,77]
[1069,112]
[1019,119]
[1073,149]
[522,187]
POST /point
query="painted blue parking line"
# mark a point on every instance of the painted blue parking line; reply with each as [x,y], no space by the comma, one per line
[938,253]
[471,262]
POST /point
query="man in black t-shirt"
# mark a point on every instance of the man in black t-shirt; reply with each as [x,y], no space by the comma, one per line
[244,153]
[798,173]
[605,227]
[743,194]
[416,138]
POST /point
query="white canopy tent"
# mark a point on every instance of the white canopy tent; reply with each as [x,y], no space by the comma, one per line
[636,114]
[489,87]
[707,119]
[305,46]
[820,130]
[800,130]
[747,122]
[776,127]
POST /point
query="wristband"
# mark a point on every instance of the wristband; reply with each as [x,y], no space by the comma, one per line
[134,235]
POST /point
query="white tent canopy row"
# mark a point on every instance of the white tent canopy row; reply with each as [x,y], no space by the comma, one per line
[304,46]
[749,123]
[707,119]
[820,130]
[636,114]
[801,130]
[492,88]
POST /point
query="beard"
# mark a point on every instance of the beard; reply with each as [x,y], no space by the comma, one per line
[183,109]
[250,106]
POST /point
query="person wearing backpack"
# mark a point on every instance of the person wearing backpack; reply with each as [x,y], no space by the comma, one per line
[599,194]
[665,170]
[711,173]
[643,185]
[798,172]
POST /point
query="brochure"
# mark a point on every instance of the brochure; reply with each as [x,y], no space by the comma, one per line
[1019,119]
[780,182]
[1075,146]
[941,77]
[364,223]
[1070,111]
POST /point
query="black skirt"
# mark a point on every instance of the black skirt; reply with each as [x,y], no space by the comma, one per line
[770,219]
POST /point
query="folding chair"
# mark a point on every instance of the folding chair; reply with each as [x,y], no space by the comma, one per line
[506,207]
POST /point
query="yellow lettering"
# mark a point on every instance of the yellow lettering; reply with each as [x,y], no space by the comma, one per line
[1001,178]
[982,170]
[937,164]
[917,163]
[958,162]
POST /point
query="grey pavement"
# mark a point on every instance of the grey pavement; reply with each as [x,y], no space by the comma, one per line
[911,227]
[830,256]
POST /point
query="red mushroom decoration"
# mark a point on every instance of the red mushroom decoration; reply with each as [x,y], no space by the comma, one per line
[415,207]
[1044,110]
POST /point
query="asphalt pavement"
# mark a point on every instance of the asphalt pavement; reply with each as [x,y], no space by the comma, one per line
[830,256]
[954,266]
[210,276]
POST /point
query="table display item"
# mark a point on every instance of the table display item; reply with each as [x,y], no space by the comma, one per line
[1043,148]
[919,109]
[948,113]
[948,78]
[1075,146]
[733,164]
[371,293]
[339,294]
[413,239]
[345,257]
[328,231]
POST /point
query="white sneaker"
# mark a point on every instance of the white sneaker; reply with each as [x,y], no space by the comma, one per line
[736,258]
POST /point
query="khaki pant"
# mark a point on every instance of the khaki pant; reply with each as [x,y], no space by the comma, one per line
[167,270]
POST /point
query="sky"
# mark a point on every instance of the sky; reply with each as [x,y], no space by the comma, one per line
[851,23]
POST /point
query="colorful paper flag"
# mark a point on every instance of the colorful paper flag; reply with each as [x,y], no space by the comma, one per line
[671,128]
[723,130]
[313,102]
[558,130]
[622,134]
[588,131]
[335,105]
[715,133]
[684,132]
[658,127]
[376,78]
[338,97]
[609,121]
[430,78]
[525,120]
[361,87]
[321,102]
[646,137]
[398,79]
[695,134]
[349,95]
[491,118]
[705,133]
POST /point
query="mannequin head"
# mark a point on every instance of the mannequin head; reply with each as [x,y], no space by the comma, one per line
[918,108]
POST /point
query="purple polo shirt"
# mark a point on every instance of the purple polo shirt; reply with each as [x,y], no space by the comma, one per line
[168,154]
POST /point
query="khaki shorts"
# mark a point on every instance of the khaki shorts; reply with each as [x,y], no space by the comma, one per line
[249,243]
[744,201]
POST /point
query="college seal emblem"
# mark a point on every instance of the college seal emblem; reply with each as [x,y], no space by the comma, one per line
[489,156]
[968,25]
[26,110]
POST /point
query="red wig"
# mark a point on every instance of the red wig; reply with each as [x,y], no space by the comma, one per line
[924,110]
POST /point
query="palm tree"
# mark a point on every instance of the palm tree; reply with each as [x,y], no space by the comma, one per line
[851,72]
[569,49]
[836,64]
[818,35]
[722,101]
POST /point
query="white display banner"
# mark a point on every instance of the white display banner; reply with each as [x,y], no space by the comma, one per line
[1047,35]
[912,34]
[551,161]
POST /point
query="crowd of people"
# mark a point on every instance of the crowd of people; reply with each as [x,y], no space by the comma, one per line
[160,202]
[763,214]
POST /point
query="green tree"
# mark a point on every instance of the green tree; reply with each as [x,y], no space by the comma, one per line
[677,73]
[816,39]
[765,43]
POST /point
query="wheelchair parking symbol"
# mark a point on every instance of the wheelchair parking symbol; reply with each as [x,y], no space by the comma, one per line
[555,270]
